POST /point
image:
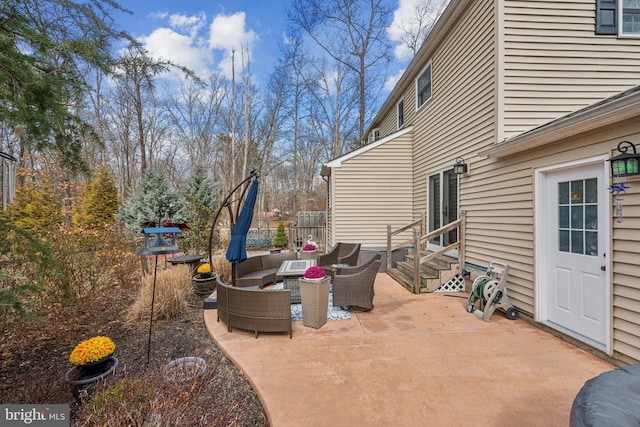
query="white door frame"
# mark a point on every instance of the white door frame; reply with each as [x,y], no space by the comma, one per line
[540,177]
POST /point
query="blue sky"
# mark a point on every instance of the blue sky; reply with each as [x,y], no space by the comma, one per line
[200,34]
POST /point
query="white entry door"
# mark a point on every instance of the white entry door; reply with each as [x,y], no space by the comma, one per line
[574,234]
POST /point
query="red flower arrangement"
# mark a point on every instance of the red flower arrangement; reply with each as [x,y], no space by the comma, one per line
[314,272]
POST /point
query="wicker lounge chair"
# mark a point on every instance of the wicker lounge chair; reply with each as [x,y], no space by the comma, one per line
[342,253]
[353,287]
[258,310]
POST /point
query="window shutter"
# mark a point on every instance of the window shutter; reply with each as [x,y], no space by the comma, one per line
[607,17]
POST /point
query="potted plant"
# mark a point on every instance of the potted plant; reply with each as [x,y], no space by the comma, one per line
[309,251]
[309,247]
[314,274]
[204,281]
[314,295]
[204,271]
[280,240]
[92,359]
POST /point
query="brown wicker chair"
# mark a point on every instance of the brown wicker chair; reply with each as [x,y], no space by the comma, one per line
[353,287]
[342,253]
[258,310]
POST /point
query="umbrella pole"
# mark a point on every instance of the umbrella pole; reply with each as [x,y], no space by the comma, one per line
[153,297]
[233,274]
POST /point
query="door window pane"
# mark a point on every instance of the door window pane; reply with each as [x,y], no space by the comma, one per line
[577,194]
[563,193]
[434,205]
[563,237]
[577,242]
[563,216]
[578,216]
[591,190]
[591,243]
[442,203]
[591,217]
[450,210]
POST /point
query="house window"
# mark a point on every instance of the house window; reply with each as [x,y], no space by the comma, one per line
[618,17]
[423,87]
[631,17]
[400,113]
[374,135]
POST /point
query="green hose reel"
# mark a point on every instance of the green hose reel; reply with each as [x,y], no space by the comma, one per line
[478,287]
[489,292]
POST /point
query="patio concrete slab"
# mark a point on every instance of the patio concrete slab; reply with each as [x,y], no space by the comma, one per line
[413,360]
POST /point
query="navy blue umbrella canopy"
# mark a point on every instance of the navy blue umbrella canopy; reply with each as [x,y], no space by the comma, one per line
[237,250]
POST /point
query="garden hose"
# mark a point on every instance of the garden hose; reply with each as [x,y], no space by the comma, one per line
[478,288]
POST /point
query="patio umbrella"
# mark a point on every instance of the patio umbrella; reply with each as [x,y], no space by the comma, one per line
[237,251]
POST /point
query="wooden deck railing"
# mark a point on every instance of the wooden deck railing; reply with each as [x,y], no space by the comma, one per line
[419,243]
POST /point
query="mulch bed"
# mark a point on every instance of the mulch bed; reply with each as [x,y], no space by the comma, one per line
[34,355]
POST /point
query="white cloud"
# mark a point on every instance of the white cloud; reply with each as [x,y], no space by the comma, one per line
[188,41]
[182,49]
[412,16]
[392,80]
[158,15]
[228,33]
[192,24]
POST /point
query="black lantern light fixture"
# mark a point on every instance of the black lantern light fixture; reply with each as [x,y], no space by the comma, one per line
[460,167]
[625,163]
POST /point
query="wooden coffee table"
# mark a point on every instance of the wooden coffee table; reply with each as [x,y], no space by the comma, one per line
[290,271]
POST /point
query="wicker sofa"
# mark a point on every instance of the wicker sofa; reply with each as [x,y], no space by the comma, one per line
[258,310]
[261,270]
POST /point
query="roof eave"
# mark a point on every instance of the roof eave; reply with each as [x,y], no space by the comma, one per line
[337,162]
[437,33]
[589,119]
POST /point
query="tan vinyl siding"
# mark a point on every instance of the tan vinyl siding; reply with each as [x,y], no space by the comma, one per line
[372,190]
[459,118]
[626,273]
[501,197]
[389,124]
[555,64]
[499,201]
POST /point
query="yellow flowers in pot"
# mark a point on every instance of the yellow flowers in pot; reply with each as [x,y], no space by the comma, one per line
[204,269]
[92,350]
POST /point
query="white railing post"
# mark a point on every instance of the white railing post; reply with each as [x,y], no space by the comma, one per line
[389,246]
[462,230]
[416,260]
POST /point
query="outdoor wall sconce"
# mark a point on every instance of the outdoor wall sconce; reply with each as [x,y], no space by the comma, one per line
[460,167]
[625,163]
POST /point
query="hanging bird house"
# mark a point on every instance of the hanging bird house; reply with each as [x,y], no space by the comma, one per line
[156,244]
[161,240]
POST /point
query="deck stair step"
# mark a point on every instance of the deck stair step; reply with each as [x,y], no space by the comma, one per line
[433,273]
